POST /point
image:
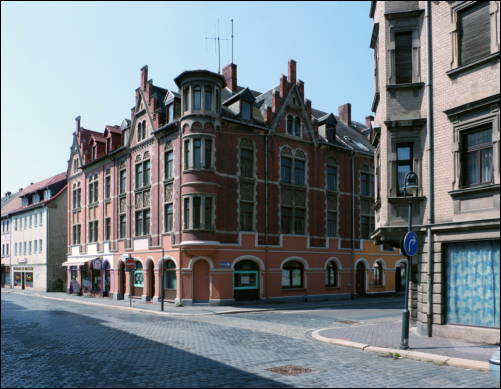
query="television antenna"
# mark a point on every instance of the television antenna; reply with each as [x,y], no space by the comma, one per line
[217,43]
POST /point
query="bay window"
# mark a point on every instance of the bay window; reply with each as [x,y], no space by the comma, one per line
[198,153]
[198,212]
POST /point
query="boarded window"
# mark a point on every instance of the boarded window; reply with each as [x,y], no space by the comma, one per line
[403,57]
[474,32]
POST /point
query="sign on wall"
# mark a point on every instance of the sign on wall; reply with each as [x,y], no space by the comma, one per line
[22,260]
[98,264]
[224,264]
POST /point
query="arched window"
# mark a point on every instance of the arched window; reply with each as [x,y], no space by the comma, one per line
[187,98]
[378,274]
[297,127]
[144,129]
[289,125]
[139,132]
[198,98]
[292,275]
[246,275]
[138,274]
[208,97]
[331,274]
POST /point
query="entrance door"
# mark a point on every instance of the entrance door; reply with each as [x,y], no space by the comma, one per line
[360,280]
[201,281]
[246,281]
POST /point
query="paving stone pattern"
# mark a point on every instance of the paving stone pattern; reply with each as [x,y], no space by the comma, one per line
[388,335]
[48,343]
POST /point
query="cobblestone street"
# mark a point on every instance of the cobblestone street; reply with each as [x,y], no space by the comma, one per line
[56,344]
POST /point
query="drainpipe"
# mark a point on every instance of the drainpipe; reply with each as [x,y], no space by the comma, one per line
[266,206]
[352,259]
[429,311]
[180,214]
[47,249]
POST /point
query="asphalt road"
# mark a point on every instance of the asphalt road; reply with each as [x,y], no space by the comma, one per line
[47,343]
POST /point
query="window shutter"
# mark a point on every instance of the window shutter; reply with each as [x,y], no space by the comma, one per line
[475,33]
[403,57]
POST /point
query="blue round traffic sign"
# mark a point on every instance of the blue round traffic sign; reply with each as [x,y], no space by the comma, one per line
[410,243]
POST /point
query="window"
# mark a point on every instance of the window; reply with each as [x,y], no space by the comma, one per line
[108,145]
[208,96]
[208,213]
[74,272]
[367,226]
[246,216]
[24,244]
[331,134]
[365,184]
[170,111]
[286,170]
[143,174]
[15,248]
[246,163]
[170,280]
[40,245]
[93,224]
[286,220]
[187,99]
[198,97]
[289,125]
[93,189]
[31,220]
[107,228]
[403,57]
[197,153]
[208,153]
[139,132]
[169,217]
[77,198]
[29,244]
[75,166]
[107,183]
[36,220]
[201,157]
[186,213]
[35,246]
[143,223]
[196,212]
[187,154]
[477,157]
[169,164]
[331,275]
[123,181]
[292,275]
[378,274]
[144,129]
[297,127]
[331,224]
[41,214]
[201,217]
[138,275]
[15,224]
[404,164]
[217,101]
[474,33]
[299,172]
[299,222]
[77,231]
[331,178]
[123,225]
[246,110]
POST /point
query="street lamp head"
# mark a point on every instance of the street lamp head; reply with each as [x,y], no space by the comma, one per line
[411,183]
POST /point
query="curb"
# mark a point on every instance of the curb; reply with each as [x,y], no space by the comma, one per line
[415,355]
[250,310]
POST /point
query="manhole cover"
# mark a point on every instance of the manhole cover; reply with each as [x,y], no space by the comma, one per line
[290,370]
[349,322]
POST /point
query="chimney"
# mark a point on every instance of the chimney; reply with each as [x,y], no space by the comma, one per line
[268,116]
[345,113]
[230,74]
[308,108]
[8,194]
[77,124]
[144,76]
[283,86]
[368,120]
[292,71]
[300,85]
[276,101]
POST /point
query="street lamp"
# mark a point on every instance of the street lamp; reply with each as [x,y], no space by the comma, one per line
[410,188]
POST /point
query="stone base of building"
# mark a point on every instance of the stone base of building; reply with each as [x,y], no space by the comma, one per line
[464,333]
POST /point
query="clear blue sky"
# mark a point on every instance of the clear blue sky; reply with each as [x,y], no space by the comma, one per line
[61,60]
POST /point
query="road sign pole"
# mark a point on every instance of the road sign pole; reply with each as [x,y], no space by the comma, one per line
[404,342]
[130,288]
[162,281]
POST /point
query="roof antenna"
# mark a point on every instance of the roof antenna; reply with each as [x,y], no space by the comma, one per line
[231,40]
[218,41]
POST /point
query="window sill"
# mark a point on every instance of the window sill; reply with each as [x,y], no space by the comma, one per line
[413,85]
[77,209]
[193,170]
[95,203]
[169,180]
[475,190]
[332,191]
[199,230]
[332,287]
[379,286]
[143,188]
[473,65]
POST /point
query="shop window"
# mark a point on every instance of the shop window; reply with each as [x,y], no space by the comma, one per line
[378,274]
[474,32]
[292,275]
[96,279]
[107,277]
[197,93]
[85,273]
[477,157]
[404,164]
[138,275]
[246,276]
[331,274]
[29,278]
[208,98]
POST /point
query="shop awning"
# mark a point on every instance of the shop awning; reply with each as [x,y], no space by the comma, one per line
[77,262]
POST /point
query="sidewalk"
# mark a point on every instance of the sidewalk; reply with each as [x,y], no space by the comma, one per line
[384,338]
[171,309]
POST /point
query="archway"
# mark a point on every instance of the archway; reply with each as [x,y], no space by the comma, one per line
[201,281]
[360,279]
[107,279]
[246,281]
[137,279]
[170,280]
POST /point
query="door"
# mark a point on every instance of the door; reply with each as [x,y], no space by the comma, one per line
[122,280]
[360,280]
[201,281]
[246,281]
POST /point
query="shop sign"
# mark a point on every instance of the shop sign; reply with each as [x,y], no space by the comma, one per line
[224,264]
[98,264]
[86,283]
[75,286]
[22,260]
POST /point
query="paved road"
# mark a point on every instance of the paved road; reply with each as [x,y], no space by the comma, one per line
[49,343]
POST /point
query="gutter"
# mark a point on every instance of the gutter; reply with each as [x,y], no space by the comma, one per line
[429,147]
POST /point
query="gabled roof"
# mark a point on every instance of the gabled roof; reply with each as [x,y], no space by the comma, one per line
[125,124]
[6,200]
[43,184]
[114,129]
[98,138]
[329,119]
[171,95]
[244,95]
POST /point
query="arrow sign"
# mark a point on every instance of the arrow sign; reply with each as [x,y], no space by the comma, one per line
[410,244]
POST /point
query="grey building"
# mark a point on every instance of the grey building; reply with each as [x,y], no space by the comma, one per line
[436,113]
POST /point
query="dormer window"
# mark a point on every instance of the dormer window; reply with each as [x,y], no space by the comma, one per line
[36,198]
[331,134]
[246,110]
[24,202]
[170,112]
[47,194]
[198,97]
[208,95]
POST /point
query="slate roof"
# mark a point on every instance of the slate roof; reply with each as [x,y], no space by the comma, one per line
[6,200]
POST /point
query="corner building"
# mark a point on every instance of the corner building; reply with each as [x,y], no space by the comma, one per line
[436,105]
[248,196]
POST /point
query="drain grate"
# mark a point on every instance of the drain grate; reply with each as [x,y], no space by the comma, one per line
[290,370]
[349,322]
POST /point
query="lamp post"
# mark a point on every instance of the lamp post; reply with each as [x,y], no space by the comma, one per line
[162,280]
[410,188]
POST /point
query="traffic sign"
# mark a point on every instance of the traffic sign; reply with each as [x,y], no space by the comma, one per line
[410,244]
[129,264]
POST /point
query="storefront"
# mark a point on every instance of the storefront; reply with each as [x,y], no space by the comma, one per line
[5,277]
[23,277]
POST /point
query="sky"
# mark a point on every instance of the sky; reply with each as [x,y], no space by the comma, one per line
[60,60]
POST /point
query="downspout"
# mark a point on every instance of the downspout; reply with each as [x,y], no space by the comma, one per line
[429,145]
[352,259]
[180,215]
[266,213]
[47,248]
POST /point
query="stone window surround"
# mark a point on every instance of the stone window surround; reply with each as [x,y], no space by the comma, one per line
[138,161]
[202,84]
[460,127]
[294,118]
[397,24]
[190,137]
[455,9]
[202,196]
[247,144]
[76,196]
[169,147]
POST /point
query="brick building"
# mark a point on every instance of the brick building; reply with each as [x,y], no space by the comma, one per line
[247,195]
[436,105]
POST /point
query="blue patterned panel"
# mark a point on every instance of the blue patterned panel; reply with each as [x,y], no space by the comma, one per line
[473,283]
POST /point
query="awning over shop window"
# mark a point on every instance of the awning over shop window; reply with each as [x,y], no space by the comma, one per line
[77,261]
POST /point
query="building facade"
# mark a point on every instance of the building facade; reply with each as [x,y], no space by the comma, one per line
[38,236]
[436,105]
[247,196]
[6,241]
